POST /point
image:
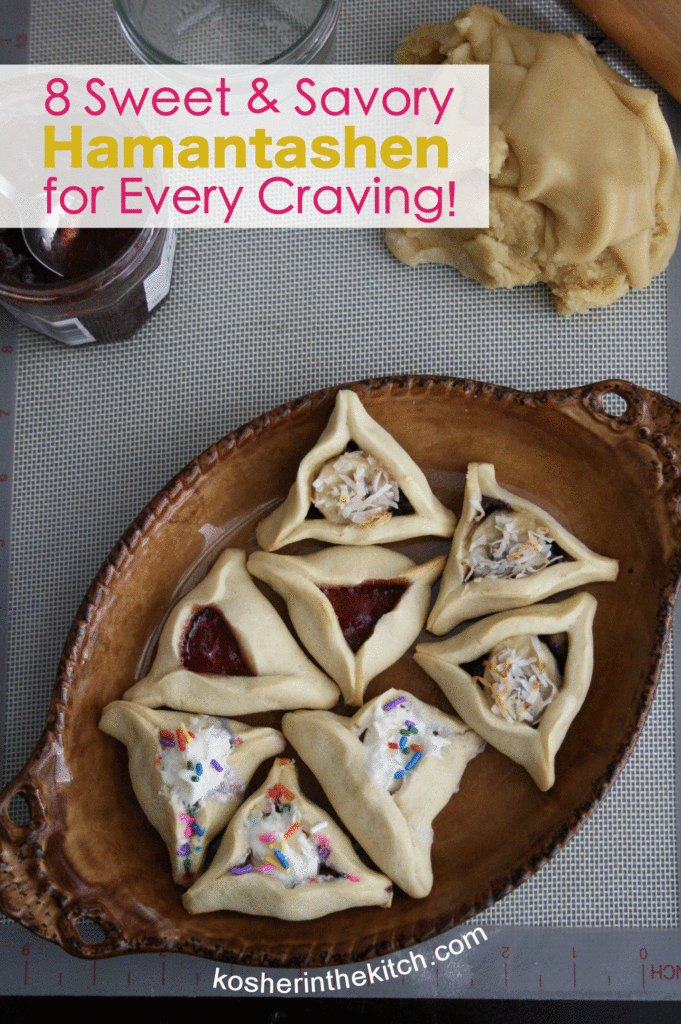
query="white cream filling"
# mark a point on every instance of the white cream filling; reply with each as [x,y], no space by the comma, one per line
[282,848]
[354,488]
[399,737]
[201,771]
[508,545]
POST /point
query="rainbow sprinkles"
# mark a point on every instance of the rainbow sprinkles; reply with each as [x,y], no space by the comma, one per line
[396,743]
[285,849]
[194,768]
[387,773]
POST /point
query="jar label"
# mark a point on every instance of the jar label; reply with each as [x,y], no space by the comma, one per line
[157,285]
[69,332]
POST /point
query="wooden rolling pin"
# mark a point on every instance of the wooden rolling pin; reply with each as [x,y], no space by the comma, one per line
[649,30]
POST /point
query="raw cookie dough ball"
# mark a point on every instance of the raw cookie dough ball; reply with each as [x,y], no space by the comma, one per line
[585,187]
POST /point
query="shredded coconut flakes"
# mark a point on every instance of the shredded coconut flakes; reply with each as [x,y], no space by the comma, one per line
[518,682]
[515,552]
[355,488]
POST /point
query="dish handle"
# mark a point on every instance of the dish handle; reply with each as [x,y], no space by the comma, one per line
[653,421]
[26,892]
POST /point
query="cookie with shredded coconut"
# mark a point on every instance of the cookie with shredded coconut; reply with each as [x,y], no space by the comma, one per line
[356,486]
[508,552]
[504,682]
[509,545]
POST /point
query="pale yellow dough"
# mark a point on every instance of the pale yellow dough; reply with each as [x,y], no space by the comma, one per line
[395,829]
[585,186]
[268,894]
[532,746]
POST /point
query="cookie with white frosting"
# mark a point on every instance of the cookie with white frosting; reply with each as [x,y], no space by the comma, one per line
[189,773]
[388,771]
[282,857]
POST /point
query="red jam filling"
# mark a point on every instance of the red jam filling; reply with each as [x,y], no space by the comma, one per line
[359,608]
[209,646]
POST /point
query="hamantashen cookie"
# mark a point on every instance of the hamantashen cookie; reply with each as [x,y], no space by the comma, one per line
[504,679]
[387,772]
[356,486]
[506,553]
[225,651]
[282,857]
[356,610]
[189,773]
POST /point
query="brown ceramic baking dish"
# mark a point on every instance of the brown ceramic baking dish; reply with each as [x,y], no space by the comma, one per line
[611,477]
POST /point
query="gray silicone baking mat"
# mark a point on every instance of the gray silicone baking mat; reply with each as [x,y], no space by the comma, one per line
[255,318]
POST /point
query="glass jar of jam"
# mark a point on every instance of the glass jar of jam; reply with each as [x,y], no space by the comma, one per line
[114,279]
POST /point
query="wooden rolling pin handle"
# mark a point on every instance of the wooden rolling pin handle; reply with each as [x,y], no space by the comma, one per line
[649,30]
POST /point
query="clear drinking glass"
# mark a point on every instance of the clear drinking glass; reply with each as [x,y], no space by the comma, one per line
[230,31]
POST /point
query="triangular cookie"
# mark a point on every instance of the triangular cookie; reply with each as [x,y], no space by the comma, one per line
[388,771]
[355,609]
[507,553]
[225,651]
[357,501]
[459,663]
[282,857]
[189,773]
